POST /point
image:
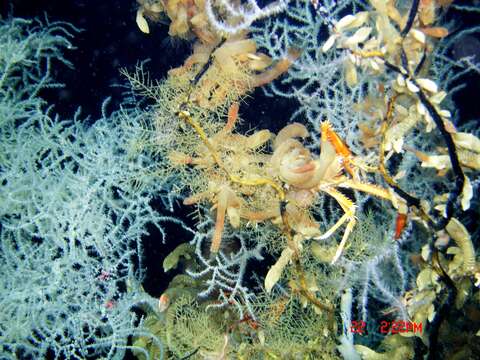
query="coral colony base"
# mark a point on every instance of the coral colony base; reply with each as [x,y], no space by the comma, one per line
[358,213]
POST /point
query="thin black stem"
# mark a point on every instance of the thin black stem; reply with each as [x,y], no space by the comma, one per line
[411,17]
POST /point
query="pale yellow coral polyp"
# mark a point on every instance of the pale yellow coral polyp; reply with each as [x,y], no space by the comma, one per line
[467,141]
[460,235]
[141,22]
[258,139]
[287,158]
[225,55]
[226,199]
[179,25]
[295,130]
[467,194]
[276,270]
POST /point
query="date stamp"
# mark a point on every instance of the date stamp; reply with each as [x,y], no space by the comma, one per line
[387,327]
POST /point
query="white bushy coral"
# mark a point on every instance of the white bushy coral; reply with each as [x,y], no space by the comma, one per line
[74,203]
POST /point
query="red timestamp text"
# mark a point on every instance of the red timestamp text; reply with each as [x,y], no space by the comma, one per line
[400,326]
[386,327]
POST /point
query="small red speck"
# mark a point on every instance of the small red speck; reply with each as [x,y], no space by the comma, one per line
[104,275]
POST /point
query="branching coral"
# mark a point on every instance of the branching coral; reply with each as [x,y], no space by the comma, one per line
[232,68]
[377,93]
[232,65]
[372,78]
[235,169]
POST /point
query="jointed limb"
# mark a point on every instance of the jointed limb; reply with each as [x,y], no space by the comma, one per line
[349,208]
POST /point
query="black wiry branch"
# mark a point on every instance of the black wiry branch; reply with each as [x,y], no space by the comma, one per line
[206,66]
[411,17]
[452,153]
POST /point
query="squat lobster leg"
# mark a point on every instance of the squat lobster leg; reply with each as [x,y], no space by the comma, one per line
[349,208]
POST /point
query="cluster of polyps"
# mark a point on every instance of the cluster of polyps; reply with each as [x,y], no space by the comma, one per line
[245,183]
[188,17]
[235,66]
[416,99]
[372,37]
[378,39]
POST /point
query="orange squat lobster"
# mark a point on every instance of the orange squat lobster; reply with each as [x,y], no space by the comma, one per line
[341,149]
[348,162]
[303,173]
